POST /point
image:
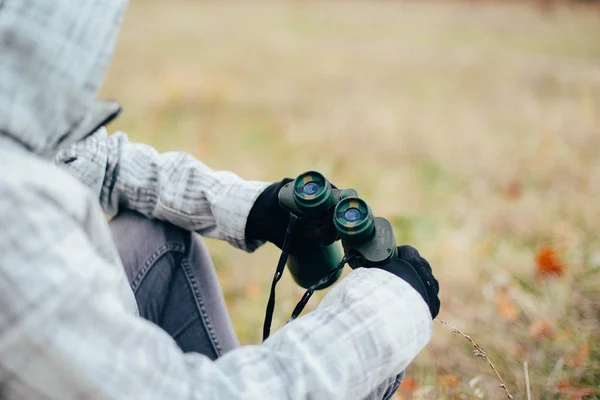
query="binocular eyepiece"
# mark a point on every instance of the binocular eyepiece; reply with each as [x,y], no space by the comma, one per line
[313,194]
[354,221]
[311,197]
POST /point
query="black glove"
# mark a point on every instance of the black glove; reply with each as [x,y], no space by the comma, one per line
[269,221]
[416,271]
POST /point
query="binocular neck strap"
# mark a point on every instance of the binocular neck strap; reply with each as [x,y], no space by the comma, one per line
[278,273]
[309,292]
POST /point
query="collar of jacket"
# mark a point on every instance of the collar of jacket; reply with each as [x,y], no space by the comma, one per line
[101,113]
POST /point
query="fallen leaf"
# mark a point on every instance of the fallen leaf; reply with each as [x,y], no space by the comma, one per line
[514,189]
[448,380]
[548,263]
[506,308]
[565,387]
[563,384]
[581,357]
[541,329]
[408,385]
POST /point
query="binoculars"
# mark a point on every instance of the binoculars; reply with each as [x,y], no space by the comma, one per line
[368,239]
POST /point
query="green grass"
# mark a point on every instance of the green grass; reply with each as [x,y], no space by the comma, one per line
[474,128]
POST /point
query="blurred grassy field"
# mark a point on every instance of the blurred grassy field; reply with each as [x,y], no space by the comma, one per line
[475,128]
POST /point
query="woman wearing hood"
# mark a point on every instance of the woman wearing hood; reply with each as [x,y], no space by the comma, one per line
[133,310]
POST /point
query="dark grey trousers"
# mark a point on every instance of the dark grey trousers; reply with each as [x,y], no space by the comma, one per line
[176,286]
[175,283]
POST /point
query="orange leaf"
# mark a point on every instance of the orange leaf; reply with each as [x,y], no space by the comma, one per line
[506,308]
[408,385]
[566,388]
[582,356]
[514,189]
[541,329]
[448,380]
[548,263]
[563,384]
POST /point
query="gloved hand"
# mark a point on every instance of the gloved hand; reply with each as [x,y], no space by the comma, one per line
[416,271]
[269,221]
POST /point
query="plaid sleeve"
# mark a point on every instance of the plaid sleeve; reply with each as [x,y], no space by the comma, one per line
[174,186]
[66,334]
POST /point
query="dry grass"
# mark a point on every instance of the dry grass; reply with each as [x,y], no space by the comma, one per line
[474,128]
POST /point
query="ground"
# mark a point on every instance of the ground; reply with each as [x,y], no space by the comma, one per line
[473,127]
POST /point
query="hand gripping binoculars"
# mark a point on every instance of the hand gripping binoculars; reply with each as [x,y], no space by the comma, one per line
[366,240]
[326,214]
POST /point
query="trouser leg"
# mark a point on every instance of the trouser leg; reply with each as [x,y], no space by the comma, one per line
[176,287]
[175,283]
[386,390]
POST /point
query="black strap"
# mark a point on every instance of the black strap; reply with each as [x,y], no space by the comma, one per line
[308,294]
[278,273]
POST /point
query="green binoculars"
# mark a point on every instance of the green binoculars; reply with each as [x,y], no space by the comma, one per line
[370,239]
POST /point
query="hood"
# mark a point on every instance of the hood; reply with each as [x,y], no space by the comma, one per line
[54,57]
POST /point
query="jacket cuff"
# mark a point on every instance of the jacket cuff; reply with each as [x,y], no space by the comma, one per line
[232,209]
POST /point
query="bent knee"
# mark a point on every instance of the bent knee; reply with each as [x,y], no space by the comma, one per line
[140,241]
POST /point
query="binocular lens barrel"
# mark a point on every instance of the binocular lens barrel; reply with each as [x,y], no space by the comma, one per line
[354,221]
[312,193]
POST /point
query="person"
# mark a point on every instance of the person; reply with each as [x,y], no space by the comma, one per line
[134,310]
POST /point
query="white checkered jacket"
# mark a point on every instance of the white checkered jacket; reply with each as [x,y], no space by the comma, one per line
[69,327]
